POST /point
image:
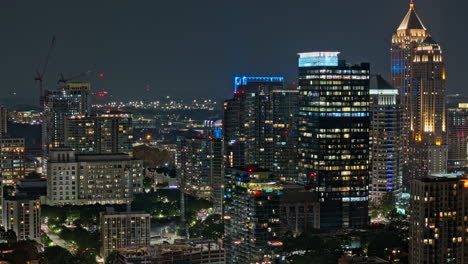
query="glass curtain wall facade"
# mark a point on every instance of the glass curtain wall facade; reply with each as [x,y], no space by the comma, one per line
[333,140]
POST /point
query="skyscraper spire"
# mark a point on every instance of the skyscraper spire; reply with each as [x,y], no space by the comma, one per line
[411,20]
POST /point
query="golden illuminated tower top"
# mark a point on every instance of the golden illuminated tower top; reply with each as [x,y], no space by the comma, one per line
[411,20]
[410,30]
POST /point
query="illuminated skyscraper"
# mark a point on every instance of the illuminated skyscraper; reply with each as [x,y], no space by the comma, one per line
[418,72]
[438,220]
[59,105]
[333,140]
[385,132]
[249,122]
[409,34]
[427,111]
[234,141]
[251,214]
[200,167]
[285,132]
[259,126]
[458,138]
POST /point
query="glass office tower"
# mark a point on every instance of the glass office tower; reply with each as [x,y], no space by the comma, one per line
[333,141]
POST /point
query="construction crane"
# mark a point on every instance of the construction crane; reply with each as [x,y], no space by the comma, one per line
[63,80]
[39,77]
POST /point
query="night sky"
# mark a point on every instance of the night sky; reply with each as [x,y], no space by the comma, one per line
[195,48]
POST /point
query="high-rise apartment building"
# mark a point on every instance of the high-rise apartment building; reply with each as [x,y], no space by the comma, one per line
[457,124]
[251,214]
[385,134]
[439,220]
[3,120]
[124,230]
[59,105]
[12,160]
[92,178]
[22,214]
[248,121]
[259,125]
[234,141]
[418,72]
[333,141]
[284,106]
[200,167]
[109,132]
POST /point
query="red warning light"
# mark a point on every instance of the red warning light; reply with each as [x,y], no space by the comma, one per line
[312,174]
[101,74]
[101,94]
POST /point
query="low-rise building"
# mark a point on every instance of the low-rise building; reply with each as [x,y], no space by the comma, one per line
[124,230]
[300,209]
[92,178]
[12,160]
[182,251]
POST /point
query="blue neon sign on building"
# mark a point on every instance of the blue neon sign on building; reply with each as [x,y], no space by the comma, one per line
[238,81]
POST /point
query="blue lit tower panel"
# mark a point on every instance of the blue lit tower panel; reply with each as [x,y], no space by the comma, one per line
[385,132]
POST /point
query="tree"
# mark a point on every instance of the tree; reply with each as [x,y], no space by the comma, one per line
[57,255]
[211,228]
[152,156]
[20,255]
[112,257]
[83,258]
[387,203]
[147,182]
[10,236]
[317,249]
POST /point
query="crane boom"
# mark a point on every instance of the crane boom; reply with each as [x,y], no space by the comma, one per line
[64,80]
[40,74]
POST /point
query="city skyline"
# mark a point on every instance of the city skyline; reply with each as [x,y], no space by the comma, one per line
[338,140]
[209,38]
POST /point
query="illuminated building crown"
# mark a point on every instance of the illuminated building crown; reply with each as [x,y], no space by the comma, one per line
[411,20]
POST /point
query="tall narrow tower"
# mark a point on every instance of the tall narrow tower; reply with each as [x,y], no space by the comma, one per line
[418,72]
[333,140]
